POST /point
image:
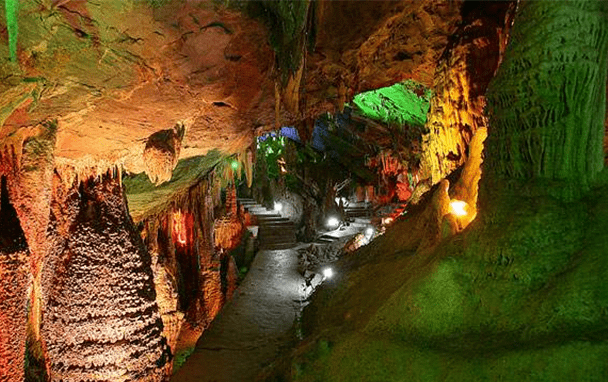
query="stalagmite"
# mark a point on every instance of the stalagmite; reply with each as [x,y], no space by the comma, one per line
[100,317]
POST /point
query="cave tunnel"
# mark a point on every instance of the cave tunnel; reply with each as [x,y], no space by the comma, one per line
[303,190]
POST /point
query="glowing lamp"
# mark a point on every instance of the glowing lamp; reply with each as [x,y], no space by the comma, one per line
[328,273]
[333,222]
[278,207]
[458,208]
[387,221]
[369,231]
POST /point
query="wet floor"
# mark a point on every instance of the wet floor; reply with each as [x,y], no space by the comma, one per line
[253,327]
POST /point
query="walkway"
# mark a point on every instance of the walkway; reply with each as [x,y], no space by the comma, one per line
[252,328]
[256,325]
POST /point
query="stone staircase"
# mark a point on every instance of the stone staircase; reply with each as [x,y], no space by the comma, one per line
[358,210]
[275,231]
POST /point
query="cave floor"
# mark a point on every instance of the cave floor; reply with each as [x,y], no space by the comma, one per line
[254,327]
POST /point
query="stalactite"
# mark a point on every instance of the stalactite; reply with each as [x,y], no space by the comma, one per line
[101,319]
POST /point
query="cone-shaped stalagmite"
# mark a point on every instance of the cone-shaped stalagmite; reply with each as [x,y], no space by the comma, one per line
[100,316]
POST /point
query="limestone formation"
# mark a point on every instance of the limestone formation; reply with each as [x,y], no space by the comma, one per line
[100,320]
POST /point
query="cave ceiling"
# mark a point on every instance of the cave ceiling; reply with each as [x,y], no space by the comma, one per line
[114,73]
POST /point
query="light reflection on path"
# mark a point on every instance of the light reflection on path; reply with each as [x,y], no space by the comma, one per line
[251,329]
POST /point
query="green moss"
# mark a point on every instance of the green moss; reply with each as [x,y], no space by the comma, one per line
[157,3]
[520,295]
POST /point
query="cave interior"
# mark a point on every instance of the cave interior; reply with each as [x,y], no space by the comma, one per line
[303,190]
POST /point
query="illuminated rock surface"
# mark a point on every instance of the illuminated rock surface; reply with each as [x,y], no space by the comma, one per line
[105,280]
[101,320]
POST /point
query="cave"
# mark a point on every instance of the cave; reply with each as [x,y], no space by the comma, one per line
[303,190]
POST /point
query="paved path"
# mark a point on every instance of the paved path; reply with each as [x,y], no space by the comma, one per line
[252,328]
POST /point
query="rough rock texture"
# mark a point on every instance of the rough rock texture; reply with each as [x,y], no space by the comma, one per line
[461,79]
[182,238]
[366,45]
[520,293]
[162,152]
[555,131]
[100,317]
[167,299]
[115,72]
[15,276]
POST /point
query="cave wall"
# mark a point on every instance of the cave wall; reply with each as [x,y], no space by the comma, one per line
[556,132]
[460,82]
[14,273]
[194,272]
[78,297]
[117,72]
[520,293]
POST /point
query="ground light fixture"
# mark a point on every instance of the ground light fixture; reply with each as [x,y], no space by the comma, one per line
[278,206]
[333,222]
[458,208]
[369,235]
[328,273]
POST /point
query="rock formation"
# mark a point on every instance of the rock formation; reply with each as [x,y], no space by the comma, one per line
[100,317]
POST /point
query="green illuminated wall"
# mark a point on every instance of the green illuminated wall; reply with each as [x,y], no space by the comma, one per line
[12,26]
[405,103]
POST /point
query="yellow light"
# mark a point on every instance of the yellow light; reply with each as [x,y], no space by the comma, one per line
[458,208]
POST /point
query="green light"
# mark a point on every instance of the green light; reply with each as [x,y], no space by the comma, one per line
[11,9]
[235,165]
[405,103]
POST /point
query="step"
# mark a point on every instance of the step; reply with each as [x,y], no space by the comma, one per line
[272,247]
[358,211]
[276,225]
[266,213]
[267,238]
[254,209]
[270,219]
[363,220]
[264,237]
[272,223]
